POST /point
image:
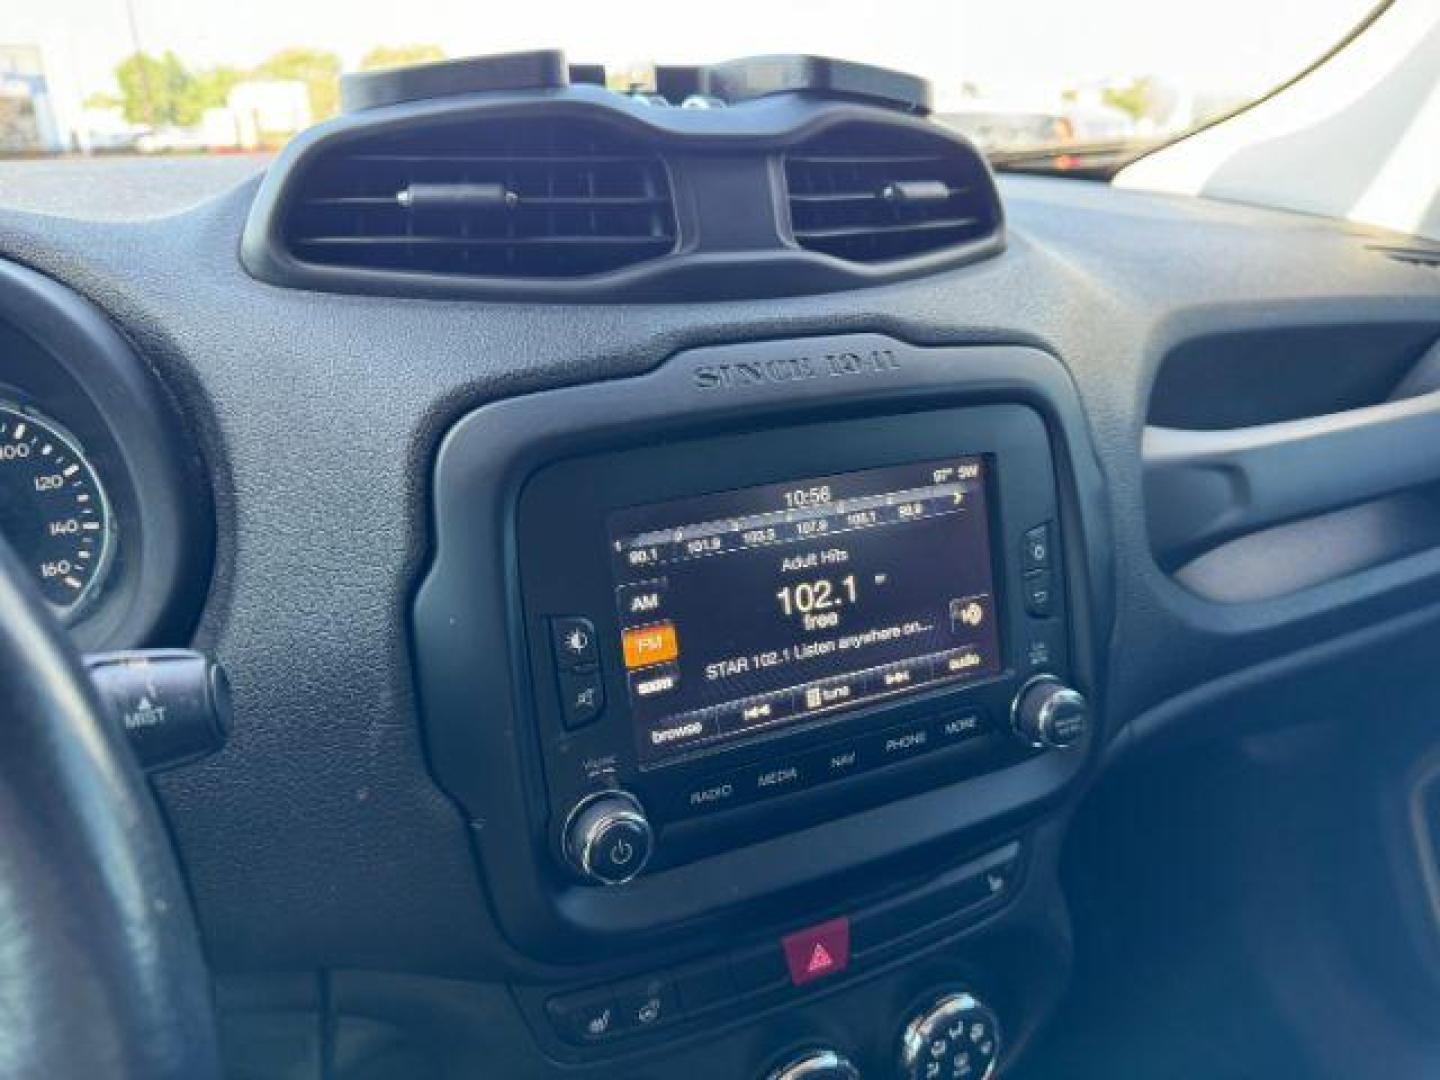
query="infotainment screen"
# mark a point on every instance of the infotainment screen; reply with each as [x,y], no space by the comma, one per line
[744,610]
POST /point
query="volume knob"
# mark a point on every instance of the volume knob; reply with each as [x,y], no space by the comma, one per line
[608,839]
[1047,713]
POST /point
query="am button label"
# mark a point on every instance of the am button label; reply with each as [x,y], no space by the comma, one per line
[642,600]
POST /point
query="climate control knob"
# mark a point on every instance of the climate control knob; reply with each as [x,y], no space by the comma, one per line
[608,839]
[956,1038]
[816,1065]
[1047,713]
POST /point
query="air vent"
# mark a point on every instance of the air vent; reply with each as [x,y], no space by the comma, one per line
[1427,257]
[872,193]
[504,197]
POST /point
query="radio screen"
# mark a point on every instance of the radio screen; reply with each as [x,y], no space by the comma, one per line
[744,610]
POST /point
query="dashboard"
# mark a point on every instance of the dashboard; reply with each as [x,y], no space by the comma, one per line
[697,676]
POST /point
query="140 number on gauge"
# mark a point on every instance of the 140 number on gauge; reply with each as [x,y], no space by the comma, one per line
[53,510]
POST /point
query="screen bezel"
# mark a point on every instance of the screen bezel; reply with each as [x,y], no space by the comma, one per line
[559,540]
[486,726]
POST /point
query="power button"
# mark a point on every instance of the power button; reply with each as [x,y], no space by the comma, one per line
[619,849]
[608,839]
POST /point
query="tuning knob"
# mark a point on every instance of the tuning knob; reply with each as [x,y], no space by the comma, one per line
[1047,713]
[956,1037]
[608,839]
[817,1065]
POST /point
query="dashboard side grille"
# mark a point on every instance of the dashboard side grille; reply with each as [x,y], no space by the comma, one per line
[870,193]
[508,198]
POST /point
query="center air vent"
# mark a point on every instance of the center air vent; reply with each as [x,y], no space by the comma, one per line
[872,193]
[576,194]
[504,197]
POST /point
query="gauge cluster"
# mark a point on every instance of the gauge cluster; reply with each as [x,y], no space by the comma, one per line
[102,493]
[53,508]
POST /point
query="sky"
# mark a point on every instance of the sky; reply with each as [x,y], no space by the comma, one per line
[1239,47]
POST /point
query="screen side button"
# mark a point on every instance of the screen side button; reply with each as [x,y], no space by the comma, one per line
[1039,593]
[582,697]
[574,640]
[1035,552]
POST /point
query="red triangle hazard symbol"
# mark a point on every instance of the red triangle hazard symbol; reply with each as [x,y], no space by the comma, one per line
[820,960]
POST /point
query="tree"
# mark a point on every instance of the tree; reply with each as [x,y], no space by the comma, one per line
[1137,99]
[103,99]
[385,56]
[153,90]
[161,91]
[317,69]
[210,88]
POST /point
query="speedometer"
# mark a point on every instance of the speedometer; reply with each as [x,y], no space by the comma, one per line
[53,509]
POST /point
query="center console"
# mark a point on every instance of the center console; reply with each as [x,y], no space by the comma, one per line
[763,675]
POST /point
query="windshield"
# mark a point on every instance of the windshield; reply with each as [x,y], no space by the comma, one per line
[1063,77]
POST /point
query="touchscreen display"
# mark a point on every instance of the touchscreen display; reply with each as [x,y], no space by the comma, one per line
[744,610]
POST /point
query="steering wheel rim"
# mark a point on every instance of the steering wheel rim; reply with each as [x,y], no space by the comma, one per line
[101,970]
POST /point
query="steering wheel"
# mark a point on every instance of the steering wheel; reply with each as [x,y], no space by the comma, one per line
[101,973]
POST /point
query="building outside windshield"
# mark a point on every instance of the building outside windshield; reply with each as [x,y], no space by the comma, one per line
[1055,77]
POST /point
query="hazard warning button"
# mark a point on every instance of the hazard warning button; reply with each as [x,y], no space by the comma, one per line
[817,951]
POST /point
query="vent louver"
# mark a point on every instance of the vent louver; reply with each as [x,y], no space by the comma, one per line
[1424,257]
[508,198]
[871,193]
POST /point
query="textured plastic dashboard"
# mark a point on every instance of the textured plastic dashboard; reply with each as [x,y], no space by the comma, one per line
[318,838]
